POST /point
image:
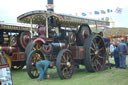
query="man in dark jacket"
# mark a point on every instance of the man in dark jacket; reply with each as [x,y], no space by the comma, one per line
[42,67]
[115,53]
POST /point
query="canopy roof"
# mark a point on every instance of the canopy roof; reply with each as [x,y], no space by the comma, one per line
[15,27]
[38,16]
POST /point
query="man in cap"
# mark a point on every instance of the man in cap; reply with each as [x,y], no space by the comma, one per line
[122,48]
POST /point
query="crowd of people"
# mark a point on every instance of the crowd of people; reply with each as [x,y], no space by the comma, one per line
[119,51]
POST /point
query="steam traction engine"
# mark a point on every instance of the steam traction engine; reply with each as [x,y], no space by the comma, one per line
[65,40]
[13,40]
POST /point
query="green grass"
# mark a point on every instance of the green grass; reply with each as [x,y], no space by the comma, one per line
[112,76]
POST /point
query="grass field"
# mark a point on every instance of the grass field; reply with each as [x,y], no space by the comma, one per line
[114,76]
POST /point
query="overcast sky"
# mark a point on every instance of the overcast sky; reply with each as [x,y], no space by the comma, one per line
[11,9]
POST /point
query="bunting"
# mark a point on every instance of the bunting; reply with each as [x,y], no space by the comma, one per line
[96,12]
[118,10]
[83,14]
[90,13]
[103,12]
[109,10]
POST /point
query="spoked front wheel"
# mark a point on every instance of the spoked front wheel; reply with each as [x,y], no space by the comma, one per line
[64,64]
[32,58]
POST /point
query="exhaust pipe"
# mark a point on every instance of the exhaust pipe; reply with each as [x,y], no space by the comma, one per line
[50,6]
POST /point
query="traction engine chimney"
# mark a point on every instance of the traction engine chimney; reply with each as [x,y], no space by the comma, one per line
[50,6]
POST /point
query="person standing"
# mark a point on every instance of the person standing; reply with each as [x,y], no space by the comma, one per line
[116,56]
[122,48]
[42,67]
[111,49]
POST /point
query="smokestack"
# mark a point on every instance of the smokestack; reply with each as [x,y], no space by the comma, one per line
[50,6]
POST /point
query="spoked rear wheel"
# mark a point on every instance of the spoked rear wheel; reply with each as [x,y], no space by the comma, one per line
[32,58]
[95,53]
[64,64]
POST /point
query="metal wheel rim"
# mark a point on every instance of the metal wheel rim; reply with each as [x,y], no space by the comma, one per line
[66,65]
[97,53]
[32,68]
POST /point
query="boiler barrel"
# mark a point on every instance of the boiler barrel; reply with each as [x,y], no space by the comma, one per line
[58,46]
[8,49]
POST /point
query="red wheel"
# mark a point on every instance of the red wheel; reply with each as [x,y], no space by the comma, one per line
[24,38]
[34,45]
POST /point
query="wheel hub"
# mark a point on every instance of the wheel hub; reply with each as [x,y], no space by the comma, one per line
[32,63]
[96,53]
[68,64]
